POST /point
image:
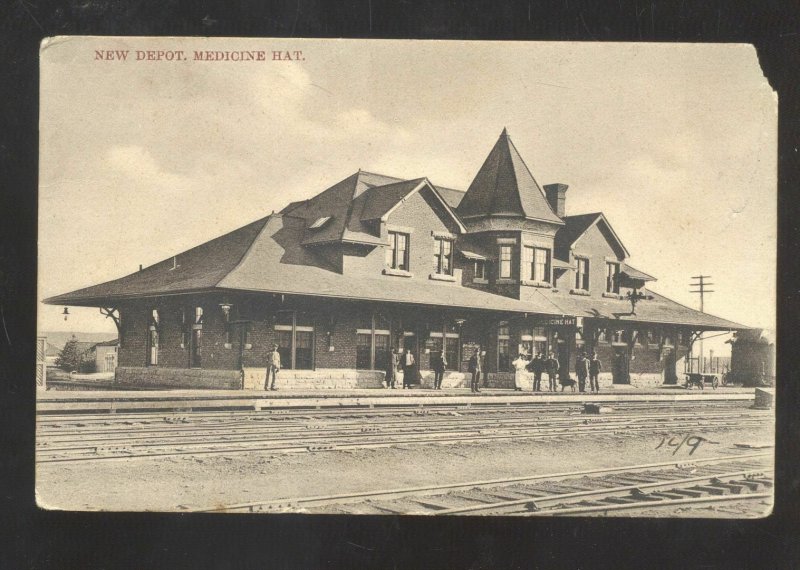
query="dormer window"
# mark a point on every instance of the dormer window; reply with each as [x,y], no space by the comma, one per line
[319,222]
[612,277]
[480,269]
[397,251]
[442,256]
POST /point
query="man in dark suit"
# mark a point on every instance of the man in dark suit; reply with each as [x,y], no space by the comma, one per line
[537,367]
[551,365]
[475,368]
[595,366]
[582,370]
[439,366]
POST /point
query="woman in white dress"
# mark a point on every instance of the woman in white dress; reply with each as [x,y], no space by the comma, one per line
[519,370]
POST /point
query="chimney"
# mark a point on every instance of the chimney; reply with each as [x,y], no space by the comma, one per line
[557,196]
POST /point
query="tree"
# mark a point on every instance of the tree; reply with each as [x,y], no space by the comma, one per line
[70,358]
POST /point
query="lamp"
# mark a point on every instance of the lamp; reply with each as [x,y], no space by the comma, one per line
[226,309]
[65,313]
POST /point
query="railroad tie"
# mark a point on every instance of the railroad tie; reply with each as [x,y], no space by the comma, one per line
[691,493]
[714,489]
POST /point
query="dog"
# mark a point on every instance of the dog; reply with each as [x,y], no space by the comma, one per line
[567,382]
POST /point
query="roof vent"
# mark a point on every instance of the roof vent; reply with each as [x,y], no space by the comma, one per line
[319,222]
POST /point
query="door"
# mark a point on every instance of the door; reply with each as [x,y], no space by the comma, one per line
[563,360]
[671,368]
[619,368]
[197,348]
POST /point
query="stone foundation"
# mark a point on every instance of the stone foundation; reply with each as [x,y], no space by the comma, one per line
[160,378]
[320,379]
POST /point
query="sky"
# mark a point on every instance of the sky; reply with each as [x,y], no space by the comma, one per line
[140,160]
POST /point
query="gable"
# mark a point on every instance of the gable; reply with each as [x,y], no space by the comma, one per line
[596,241]
[424,212]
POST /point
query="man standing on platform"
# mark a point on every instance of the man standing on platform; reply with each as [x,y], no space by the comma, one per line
[391,369]
[537,367]
[595,366]
[273,367]
[551,365]
[408,369]
[476,369]
[439,366]
[582,370]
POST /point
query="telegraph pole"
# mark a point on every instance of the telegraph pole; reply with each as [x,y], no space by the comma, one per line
[700,285]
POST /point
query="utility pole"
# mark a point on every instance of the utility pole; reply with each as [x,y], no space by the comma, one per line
[700,285]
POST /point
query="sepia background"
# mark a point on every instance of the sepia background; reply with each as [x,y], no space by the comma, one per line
[676,144]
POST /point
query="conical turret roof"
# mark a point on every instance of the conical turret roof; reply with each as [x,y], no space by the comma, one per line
[504,186]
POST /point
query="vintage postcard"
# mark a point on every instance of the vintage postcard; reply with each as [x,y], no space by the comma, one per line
[406,277]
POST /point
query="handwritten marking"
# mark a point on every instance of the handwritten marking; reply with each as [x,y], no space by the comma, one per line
[692,441]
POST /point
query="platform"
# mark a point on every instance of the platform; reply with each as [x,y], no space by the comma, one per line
[51,402]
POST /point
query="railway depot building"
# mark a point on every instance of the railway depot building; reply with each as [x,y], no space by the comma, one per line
[375,263]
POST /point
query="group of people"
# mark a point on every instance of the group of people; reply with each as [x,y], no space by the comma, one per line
[585,367]
[406,362]
[588,367]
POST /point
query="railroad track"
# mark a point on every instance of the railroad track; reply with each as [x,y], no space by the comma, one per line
[310,437]
[667,485]
[55,419]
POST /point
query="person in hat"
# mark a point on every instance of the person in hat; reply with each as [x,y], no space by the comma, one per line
[595,366]
[273,367]
[582,370]
[475,369]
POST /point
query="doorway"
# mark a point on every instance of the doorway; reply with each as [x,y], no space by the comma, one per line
[620,370]
[671,367]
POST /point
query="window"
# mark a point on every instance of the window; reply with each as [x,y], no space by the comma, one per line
[541,265]
[536,264]
[319,222]
[505,262]
[582,274]
[397,251]
[480,269]
[503,357]
[442,256]
[373,342]
[653,337]
[295,339]
[446,340]
[612,277]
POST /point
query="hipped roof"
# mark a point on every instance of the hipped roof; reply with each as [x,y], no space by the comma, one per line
[275,261]
[267,256]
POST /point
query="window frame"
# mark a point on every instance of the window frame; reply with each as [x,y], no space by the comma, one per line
[391,258]
[482,274]
[373,332]
[293,329]
[439,256]
[534,270]
[612,280]
[503,262]
[582,280]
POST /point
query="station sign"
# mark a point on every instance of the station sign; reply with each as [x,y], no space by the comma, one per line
[564,321]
